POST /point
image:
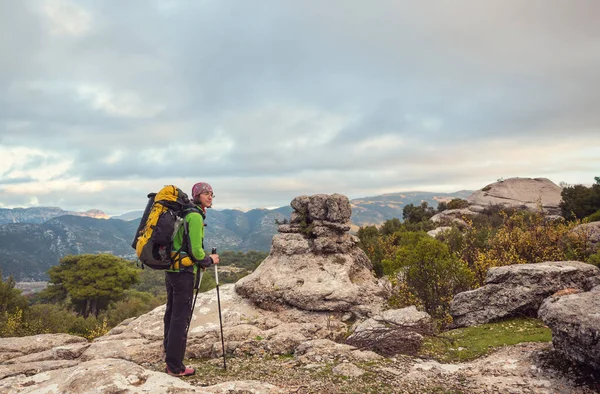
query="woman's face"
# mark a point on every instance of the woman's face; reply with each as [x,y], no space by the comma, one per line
[206,199]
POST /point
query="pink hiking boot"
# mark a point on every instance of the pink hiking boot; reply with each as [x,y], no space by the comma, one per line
[188,372]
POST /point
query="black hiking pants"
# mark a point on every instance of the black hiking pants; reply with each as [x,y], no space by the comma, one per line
[180,291]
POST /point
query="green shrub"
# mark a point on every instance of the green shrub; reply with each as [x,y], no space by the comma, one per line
[457,203]
[135,304]
[594,217]
[432,274]
[594,259]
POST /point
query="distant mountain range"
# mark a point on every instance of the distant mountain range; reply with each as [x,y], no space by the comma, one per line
[41,214]
[34,239]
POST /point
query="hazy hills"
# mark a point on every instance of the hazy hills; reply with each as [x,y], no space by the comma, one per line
[33,239]
[41,214]
[28,250]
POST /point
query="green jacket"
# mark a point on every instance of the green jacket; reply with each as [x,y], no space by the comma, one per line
[195,223]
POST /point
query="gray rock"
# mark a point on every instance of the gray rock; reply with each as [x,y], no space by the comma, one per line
[325,282]
[334,244]
[37,343]
[451,215]
[575,322]
[115,376]
[320,350]
[437,231]
[67,352]
[288,244]
[317,207]
[316,265]
[348,369]
[138,350]
[338,208]
[298,218]
[35,367]
[518,290]
[300,204]
[289,228]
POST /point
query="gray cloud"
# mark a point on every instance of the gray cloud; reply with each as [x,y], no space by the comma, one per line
[273,99]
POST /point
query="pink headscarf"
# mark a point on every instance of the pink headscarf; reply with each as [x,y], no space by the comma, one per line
[199,188]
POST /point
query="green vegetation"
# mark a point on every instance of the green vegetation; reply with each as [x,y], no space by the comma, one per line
[90,294]
[464,344]
[90,281]
[417,214]
[579,201]
[429,272]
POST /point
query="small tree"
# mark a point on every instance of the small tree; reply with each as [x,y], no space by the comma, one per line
[580,201]
[457,203]
[92,281]
[432,274]
[416,214]
[11,298]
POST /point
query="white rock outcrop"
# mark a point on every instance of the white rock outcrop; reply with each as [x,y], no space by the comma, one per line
[315,264]
[527,193]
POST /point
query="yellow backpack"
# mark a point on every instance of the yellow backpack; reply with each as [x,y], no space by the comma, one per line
[162,218]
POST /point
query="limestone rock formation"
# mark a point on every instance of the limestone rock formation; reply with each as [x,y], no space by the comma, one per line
[438,231]
[315,264]
[575,320]
[525,193]
[519,290]
[453,216]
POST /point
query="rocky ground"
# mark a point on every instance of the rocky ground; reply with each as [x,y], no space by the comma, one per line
[522,368]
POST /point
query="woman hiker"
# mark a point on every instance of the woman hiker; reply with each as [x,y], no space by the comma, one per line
[180,281]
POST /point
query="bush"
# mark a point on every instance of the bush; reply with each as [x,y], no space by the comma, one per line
[580,201]
[594,217]
[594,259]
[419,213]
[457,203]
[432,274]
[50,319]
[528,237]
[135,304]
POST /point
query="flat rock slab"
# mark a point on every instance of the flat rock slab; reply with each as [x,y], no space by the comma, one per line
[117,376]
[518,290]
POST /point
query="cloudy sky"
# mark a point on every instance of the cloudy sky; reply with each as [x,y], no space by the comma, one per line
[104,101]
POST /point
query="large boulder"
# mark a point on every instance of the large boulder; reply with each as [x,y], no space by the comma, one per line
[575,323]
[315,264]
[519,290]
[524,193]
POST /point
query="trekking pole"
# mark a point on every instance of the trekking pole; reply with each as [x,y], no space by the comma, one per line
[214,251]
[198,281]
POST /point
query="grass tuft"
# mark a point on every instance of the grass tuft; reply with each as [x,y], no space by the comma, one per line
[469,343]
